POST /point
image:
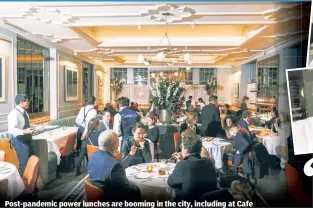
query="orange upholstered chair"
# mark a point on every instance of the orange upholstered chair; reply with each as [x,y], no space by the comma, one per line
[3,189]
[92,149]
[30,174]
[69,145]
[93,193]
[295,186]
[10,153]
[176,139]
[2,155]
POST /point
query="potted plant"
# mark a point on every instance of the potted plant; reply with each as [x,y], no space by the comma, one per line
[167,95]
[117,86]
[211,86]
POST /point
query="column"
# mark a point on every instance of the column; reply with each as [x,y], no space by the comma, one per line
[54,87]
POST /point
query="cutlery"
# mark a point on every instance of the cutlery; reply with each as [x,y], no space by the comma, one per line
[167,161]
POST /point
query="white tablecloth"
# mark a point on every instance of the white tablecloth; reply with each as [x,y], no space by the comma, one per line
[276,145]
[217,148]
[155,187]
[56,139]
[15,183]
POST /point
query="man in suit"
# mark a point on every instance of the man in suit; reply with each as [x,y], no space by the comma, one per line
[193,176]
[124,120]
[105,123]
[245,120]
[108,173]
[210,117]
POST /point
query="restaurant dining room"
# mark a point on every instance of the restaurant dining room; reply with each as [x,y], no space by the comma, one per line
[146,101]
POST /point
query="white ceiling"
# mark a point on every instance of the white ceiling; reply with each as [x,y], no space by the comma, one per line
[54,21]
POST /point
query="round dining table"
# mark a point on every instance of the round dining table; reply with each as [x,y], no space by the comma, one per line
[153,186]
[15,185]
[217,148]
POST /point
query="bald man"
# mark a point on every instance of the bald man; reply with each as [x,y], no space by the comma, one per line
[108,173]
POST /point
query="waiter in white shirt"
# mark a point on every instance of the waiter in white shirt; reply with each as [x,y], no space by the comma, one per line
[85,114]
[19,126]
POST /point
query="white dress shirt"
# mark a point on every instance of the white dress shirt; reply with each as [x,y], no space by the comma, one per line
[80,117]
[117,124]
[16,121]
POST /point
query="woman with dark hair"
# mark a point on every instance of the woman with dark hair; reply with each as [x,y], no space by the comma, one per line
[91,138]
[136,149]
[153,131]
[244,106]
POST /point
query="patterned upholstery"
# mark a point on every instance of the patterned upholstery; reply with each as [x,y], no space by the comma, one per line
[68,121]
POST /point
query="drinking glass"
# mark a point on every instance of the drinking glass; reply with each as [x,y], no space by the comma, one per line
[149,168]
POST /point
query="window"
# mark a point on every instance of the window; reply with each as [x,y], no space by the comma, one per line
[205,74]
[32,70]
[120,72]
[188,75]
[141,76]
[87,80]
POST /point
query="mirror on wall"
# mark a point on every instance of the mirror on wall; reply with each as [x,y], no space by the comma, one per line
[71,83]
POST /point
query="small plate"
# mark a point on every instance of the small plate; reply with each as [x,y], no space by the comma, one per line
[142,175]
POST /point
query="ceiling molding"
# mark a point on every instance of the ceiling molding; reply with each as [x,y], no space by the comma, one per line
[85,36]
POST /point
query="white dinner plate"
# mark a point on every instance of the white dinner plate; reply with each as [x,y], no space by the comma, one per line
[142,175]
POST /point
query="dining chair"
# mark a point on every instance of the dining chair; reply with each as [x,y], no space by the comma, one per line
[4,189]
[30,175]
[176,139]
[67,150]
[295,186]
[92,149]
[93,193]
[11,155]
[2,155]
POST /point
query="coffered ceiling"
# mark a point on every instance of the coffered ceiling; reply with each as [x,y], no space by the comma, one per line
[116,33]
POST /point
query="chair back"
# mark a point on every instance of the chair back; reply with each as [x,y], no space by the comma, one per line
[91,149]
[93,193]
[176,139]
[2,155]
[4,189]
[69,145]
[30,174]
[10,153]
[295,185]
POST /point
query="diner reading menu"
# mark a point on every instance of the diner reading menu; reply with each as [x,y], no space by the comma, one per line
[300,83]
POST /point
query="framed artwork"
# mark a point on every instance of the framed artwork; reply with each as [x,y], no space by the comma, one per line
[236,90]
[100,94]
[71,83]
[100,82]
[2,78]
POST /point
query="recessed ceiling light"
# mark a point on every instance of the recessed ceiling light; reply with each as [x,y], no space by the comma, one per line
[107,49]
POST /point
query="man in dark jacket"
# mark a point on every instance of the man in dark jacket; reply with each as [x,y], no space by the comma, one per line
[124,120]
[108,173]
[245,120]
[193,176]
[210,117]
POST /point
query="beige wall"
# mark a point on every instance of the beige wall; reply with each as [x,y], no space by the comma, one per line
[68,108]
[7,49]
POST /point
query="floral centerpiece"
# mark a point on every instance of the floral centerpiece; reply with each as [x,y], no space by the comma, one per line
[167,93]
[211,86]
[117,86]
